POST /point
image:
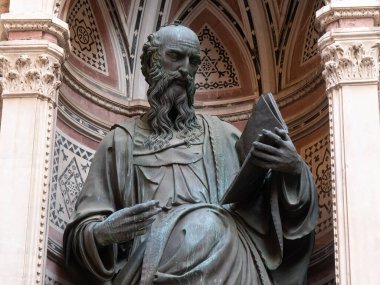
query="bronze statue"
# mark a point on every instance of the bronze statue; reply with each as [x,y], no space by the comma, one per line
[150,211]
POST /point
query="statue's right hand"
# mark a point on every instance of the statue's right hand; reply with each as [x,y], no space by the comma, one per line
[126,223]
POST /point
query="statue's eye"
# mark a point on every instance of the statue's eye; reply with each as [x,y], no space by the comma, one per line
[195,61]
[173,56]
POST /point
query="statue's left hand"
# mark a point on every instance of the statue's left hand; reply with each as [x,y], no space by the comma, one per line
[279,155]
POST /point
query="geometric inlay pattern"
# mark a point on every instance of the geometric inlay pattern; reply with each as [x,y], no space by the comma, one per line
[310,47]
[216,70]
[85,39]
[71,163]
[70,183]
[317,157]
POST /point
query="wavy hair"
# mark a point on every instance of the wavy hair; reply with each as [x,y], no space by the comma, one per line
[169,110]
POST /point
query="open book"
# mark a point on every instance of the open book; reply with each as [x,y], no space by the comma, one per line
[265,115]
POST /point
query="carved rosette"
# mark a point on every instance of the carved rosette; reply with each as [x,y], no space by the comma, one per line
[354,62]
[39,74]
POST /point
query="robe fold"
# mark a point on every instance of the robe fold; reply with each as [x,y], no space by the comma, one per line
[195,240]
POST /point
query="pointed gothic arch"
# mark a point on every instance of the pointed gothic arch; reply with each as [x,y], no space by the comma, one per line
[206,13]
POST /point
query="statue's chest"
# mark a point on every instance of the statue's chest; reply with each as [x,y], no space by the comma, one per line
[173,176]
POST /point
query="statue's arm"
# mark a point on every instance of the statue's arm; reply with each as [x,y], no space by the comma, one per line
[95,202]
[296,202]
[85,257]
[101,219]
[94,240]
[281,218]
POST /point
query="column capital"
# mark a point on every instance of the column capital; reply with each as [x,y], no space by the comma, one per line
[32,50]
[33,70]
[350,45]
[350,57]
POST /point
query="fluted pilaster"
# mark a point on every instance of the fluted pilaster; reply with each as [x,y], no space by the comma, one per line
[350,58]
[31,54]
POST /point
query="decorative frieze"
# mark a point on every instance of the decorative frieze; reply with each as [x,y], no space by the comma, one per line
[330,14]
[52,26]
[30,74]
[349,62]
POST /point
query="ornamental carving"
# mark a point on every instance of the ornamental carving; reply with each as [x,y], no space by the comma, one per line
[317,156]
[30,74]
[54,27]
[216,71]
[86,41]
[310,46]
[337,13]
[353,62]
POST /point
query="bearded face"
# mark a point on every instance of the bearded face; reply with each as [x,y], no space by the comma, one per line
[171,108]
[173,63]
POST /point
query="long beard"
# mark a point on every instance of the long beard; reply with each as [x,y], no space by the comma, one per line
[171,110]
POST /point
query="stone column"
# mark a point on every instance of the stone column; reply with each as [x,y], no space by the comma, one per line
[31,54]
[350,57]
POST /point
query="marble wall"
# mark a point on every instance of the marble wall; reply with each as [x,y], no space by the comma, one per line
[71,163]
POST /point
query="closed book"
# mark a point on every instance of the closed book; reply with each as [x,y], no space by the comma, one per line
[249,179]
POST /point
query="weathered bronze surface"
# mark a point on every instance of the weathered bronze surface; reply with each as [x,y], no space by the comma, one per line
[150,209]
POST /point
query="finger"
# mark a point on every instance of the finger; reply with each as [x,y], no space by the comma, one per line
[141,232]
[144,216]
[282,133]
[145,223]
[131,235]
[272,136]
[264,164]
[265,147]
[141,225]
[264,156]
[131,228]
[139,208]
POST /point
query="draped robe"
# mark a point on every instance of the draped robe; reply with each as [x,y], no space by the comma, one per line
[194,240]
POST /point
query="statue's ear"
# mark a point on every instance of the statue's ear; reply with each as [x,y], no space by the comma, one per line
[145,63]
[149,61]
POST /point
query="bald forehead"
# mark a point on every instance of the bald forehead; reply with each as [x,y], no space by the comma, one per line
[178,35]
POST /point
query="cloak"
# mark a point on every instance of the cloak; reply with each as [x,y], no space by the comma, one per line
[266,240]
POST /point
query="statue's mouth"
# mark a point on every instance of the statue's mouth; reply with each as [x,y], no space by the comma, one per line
[181,81]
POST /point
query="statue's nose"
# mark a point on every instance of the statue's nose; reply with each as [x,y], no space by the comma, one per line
[184,71]
[184,68]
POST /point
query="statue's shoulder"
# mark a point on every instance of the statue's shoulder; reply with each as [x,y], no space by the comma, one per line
[120,133]
[212,121]
[218,124]
[127,126]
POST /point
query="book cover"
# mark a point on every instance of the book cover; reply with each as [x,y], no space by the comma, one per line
[265,115]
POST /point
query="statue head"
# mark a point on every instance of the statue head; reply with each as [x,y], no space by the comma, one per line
[169,63]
